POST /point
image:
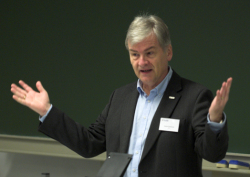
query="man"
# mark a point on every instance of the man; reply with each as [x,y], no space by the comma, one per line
[167,122]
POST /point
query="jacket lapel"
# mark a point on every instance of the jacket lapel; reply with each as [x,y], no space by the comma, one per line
[165,109]
[127,118]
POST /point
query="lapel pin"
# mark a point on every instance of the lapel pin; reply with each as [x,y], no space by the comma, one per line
[171,97]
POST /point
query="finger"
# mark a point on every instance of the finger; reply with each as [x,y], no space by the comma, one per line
[20,95]
[220,92]
[14,86]
[229,83]
[18,99]
[18,91]
[218,95]
[223,90]
[227,88]
[39,86]
[25,86]
[17,88]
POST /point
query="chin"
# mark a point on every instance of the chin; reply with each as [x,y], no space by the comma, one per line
[146,82]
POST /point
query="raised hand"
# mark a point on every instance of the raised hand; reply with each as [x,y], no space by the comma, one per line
[37,101]
[220,100]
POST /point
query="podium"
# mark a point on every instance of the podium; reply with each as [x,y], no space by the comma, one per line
[115,165]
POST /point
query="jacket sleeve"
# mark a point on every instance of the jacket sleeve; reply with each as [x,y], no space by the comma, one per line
[208,144]
[87,142]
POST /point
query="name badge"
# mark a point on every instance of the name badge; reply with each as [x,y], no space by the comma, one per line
[167,124]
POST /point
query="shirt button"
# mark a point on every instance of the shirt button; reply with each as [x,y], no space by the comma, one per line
[134,170]
[148,101]
[144,117]
[140,135]
[136,152]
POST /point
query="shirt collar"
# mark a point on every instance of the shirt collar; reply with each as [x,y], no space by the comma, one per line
[159,89]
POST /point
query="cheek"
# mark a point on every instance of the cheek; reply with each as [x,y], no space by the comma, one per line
[134,65]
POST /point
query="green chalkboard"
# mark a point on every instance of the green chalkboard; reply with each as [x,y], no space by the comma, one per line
[76,48]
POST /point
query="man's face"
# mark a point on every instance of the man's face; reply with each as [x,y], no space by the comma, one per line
[150,61]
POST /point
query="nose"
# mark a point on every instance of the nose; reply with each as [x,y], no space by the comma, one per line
[143,60]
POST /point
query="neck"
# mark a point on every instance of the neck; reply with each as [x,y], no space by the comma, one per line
[147,89]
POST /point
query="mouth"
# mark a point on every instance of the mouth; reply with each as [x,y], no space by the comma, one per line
[146,71]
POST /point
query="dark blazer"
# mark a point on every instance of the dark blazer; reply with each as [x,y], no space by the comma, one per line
[166,154]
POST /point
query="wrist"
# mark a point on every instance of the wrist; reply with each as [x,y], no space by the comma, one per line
[216,118]
[45,110]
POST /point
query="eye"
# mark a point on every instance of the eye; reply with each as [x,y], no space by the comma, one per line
[150,54]
[134,55]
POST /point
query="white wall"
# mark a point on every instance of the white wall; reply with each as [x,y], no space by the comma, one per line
[24,165]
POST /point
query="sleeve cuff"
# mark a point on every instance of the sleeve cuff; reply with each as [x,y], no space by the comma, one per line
[44,117]
[216,127]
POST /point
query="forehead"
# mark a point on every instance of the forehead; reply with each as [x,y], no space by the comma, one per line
[148,42]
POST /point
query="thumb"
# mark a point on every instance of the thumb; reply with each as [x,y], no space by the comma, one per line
[39,86]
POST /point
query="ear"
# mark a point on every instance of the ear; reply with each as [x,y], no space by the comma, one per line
[169,52]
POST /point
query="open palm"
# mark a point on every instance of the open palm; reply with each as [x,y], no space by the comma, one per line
[37,101]
[220,100]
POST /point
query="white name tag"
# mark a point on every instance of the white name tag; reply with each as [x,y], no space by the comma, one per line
[167,124]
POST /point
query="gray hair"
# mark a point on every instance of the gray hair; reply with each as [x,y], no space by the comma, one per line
[144,25]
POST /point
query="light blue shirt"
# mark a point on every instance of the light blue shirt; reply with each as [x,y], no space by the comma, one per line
[144,113]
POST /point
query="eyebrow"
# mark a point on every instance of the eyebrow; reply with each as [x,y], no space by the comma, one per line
[144,50]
